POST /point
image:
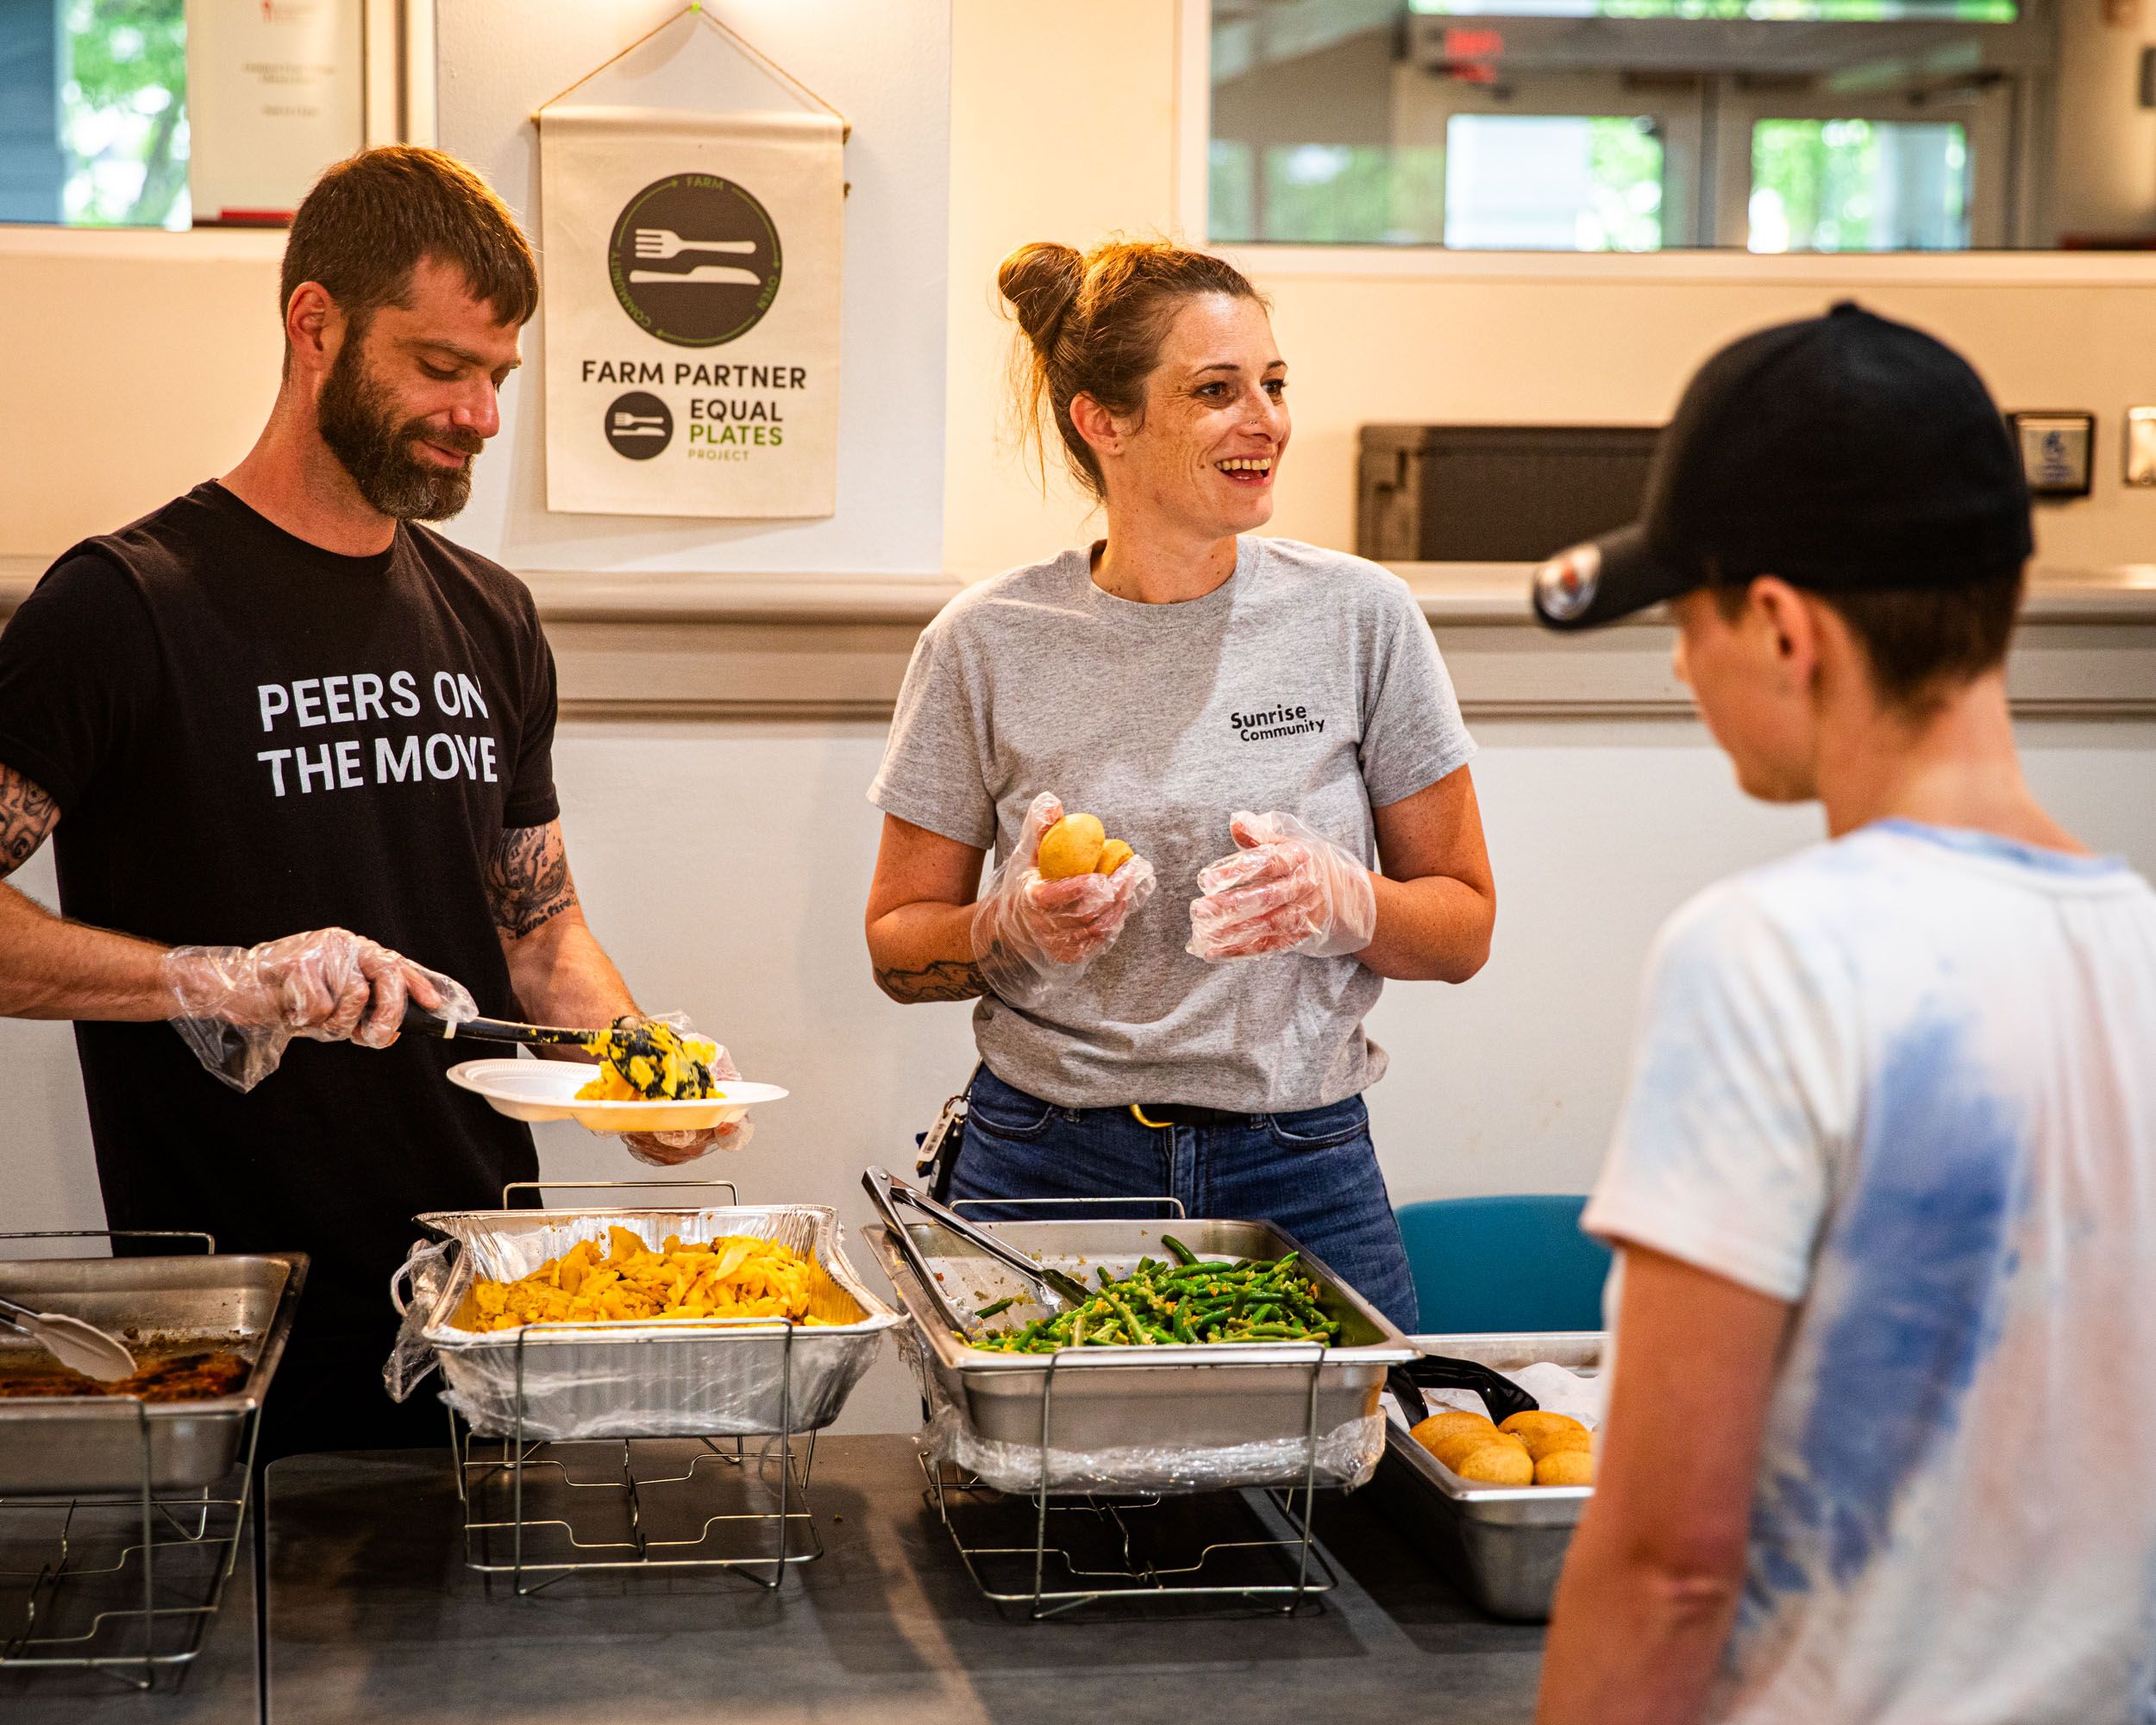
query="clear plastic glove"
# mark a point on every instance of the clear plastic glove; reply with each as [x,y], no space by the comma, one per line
[239,1007]
[1029,934]
[1287,890]
[672,1149]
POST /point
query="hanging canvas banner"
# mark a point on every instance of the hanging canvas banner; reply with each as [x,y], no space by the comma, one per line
[690,278]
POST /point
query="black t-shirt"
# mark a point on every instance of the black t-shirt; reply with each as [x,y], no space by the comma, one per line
[247,737]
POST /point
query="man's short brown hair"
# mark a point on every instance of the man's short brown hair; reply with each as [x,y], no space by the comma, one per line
[364,228]
[1922,643]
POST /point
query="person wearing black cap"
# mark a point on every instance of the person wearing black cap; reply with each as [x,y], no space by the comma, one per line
[1884,1189]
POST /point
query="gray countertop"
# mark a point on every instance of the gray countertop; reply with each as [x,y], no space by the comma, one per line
[218,1688]
[373,1616]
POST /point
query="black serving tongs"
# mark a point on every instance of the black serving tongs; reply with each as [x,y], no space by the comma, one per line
[888,1192]
[423,1022]
[1500,1394]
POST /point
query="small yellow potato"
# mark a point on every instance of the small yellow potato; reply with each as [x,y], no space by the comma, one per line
[1539,1420]
[1455,1449]
[1541,1444]
[1070,847]
[1453,1422]
[1565,1467]
[1113,855]
[1496,1463]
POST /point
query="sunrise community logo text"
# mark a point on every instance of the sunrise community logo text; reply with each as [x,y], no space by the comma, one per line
[1276,721]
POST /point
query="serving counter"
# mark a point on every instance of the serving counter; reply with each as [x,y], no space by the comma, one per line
[371,1613]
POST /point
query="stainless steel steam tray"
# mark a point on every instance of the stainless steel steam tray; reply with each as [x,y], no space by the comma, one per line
[88,1445]
[1504,1544]
[1196,1397]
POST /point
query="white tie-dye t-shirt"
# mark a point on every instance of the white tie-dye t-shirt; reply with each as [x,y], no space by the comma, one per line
[1907,1080]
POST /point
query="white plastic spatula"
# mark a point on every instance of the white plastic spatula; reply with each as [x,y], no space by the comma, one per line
[71,1342]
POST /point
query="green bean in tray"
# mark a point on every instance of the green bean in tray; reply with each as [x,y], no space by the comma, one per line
[1187,1301]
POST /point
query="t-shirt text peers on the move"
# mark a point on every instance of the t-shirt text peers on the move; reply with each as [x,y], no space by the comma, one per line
[398,756]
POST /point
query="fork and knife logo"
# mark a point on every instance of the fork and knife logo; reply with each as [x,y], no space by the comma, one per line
[659,245]
[695,260]
[638,425]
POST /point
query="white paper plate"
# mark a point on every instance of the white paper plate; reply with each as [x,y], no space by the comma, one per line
[537,1090]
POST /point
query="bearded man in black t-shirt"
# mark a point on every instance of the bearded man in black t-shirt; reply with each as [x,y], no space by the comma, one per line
[298,747]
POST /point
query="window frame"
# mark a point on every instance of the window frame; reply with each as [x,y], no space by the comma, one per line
[397,104]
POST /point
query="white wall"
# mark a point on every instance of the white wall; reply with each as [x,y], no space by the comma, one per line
[884,65]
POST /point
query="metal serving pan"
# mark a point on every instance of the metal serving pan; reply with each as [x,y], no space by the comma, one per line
[1503,1544]
[677,1378]
[1190,1397]
[79,1446]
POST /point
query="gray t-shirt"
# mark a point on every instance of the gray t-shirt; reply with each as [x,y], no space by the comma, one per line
[1307,682]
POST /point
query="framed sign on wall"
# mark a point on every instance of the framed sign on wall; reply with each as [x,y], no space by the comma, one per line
[276,91]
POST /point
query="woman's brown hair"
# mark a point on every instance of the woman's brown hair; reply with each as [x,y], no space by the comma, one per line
[1093,324]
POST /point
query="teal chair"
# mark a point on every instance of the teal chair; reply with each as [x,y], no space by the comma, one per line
[1518,1262]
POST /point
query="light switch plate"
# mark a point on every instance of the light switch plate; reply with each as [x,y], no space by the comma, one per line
[2140,446]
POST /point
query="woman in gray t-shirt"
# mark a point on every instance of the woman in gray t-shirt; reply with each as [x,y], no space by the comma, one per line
[1270,728]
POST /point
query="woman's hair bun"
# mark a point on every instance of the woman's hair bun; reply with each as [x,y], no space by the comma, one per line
[1041,282]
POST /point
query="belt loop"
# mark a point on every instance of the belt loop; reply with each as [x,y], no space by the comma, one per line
[1139,1114]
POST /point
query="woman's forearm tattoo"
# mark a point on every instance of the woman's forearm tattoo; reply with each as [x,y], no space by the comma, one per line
[947,979]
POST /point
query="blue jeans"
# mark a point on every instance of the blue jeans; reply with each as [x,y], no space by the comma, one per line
[1314,1173]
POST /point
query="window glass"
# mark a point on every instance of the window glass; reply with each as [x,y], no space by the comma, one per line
[1858,185]
[93,112]
[1553,183]
[1646,125]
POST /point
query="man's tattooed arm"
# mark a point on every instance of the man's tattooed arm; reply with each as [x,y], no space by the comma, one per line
[945,979]
[527,881]
[27,814]
[53,969]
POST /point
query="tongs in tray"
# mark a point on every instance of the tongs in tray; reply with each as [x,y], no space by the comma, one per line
[1500,1394]
[887,1191]
[75,1343]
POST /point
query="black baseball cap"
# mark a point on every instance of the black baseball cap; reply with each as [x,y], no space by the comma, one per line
[1844,453]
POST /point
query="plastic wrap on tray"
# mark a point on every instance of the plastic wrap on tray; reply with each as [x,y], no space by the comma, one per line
[1347,1455]
[660,1377]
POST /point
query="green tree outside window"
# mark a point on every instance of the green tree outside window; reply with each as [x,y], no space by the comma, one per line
[125,114]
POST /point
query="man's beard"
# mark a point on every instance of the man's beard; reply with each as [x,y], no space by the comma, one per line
[357,421]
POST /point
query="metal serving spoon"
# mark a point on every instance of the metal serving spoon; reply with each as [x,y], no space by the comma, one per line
[71,1341]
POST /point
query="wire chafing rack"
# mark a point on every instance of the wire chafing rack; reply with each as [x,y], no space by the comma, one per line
[539,1511]
[1254,1546]
[121,1582]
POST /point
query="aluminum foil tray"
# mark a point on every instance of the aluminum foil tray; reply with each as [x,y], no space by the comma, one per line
[90,1445]
[1503,1544]
[675,1377]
